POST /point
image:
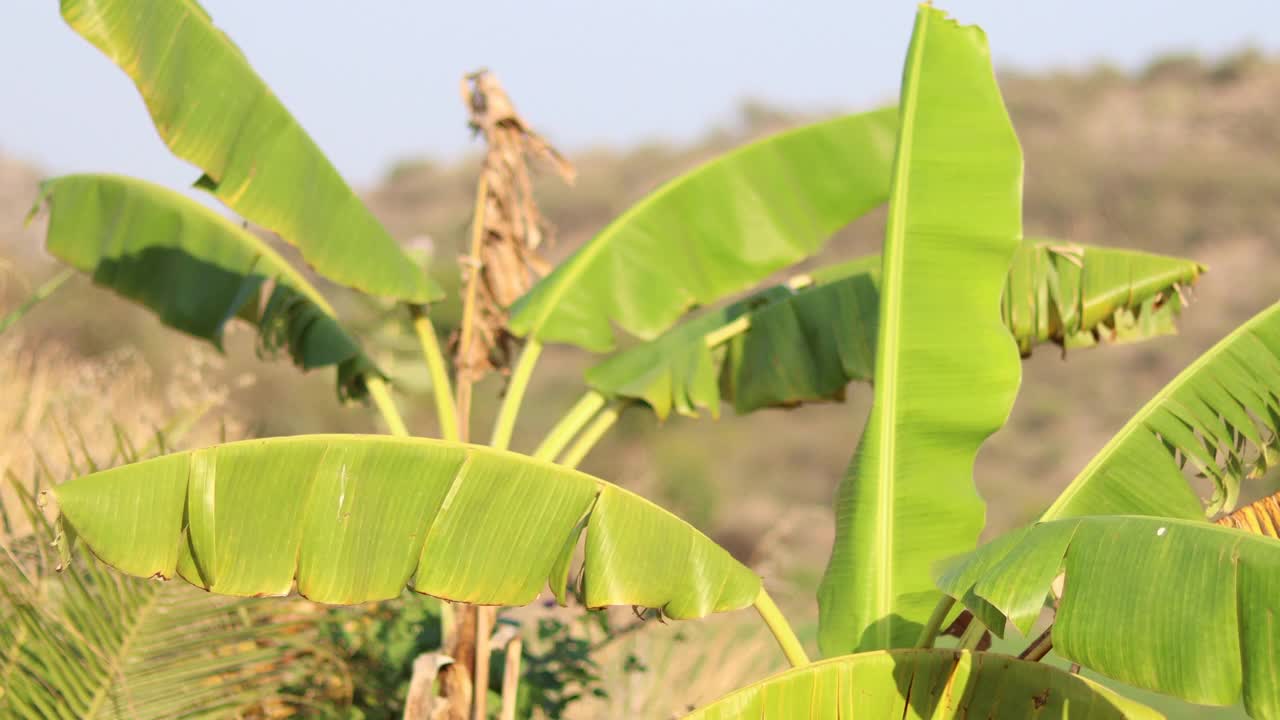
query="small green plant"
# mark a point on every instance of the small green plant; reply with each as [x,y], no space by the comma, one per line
[938,322]
[563,671]
[379,643]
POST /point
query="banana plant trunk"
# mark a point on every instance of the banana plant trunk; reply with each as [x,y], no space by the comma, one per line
[456,680]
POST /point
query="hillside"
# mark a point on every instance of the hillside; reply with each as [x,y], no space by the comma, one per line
[1181,158]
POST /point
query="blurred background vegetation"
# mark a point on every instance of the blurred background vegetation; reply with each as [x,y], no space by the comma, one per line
[1182,157]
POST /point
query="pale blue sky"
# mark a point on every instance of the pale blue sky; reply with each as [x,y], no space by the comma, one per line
[376,80]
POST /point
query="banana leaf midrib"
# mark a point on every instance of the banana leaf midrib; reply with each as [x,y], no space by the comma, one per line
[887,350]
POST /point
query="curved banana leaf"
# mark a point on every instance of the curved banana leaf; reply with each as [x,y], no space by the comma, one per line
[195,269]
[925,685]
[1184,608]
[807,344]
[354,518]
[213,111]
[1221,415]
[89,644]
[946,368]
[1080,296]
[714,231]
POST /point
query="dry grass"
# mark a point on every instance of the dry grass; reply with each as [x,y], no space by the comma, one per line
[65,414]
[686,665]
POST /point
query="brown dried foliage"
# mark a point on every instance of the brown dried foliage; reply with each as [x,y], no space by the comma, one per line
[507,258]
[1260,518]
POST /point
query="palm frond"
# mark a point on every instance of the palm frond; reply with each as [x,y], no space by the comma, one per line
[78,640]
[104,646]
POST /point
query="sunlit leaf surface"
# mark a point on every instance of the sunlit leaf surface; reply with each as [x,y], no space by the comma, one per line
[946,368]
[1184,608]
[1220,418]
[714,231]
[213,111]
[195,269]
[922,685]
[352,518]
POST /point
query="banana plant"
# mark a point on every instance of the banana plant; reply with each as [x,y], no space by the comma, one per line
[941,317]
[258,161]
[351,519]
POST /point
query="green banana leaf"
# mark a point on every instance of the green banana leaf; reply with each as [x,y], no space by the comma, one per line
[1181,607]
[1221,415]
[1079,296]
[806,344]
[354,518]
[679,369]
[714,231]
[195,269]
[213,111]
[946,368]
[90,644]
[923,685]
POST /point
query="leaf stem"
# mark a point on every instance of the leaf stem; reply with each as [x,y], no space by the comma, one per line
[386,406]
[441,388]
[569,425]
[781,629]
[929,635]
[511,678]
[464,371]
[742,323]
[726,332]
[1039,647]
[485,616]
[971,638]
[590,436]
[511,402]
[45,290]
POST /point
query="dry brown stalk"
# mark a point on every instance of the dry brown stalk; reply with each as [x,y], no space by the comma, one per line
[503,263]
[505,260]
